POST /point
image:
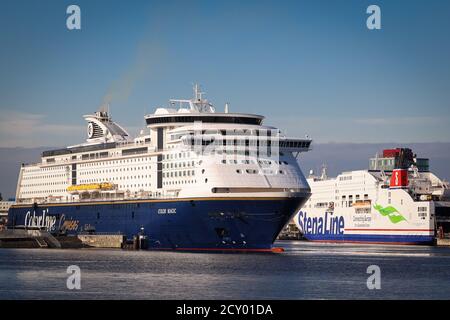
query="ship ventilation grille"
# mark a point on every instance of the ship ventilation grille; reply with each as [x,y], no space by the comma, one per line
[97,131]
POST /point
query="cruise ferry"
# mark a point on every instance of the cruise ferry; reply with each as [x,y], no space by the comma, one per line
[397,201]
[193,179]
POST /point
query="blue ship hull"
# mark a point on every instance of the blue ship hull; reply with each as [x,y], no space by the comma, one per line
[182,224]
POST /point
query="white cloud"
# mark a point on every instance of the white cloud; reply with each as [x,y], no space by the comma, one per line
[395,120]
[18,129]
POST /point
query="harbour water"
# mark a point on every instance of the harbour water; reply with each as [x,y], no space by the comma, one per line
[304,271]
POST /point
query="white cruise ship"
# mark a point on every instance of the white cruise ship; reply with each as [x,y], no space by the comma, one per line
[397,201]
[194,179]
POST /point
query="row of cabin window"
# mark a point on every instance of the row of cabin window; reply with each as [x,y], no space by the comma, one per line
[45,169]
[114,170]
[43,192]
[62,175]
[261,162]
[114,179]
[138,185]
[180,155]
[105,163]
[254,171]
[177,165]
[29,185]
[179,182]
[175,174]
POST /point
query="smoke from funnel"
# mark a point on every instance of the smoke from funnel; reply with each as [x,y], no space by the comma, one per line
[120,90]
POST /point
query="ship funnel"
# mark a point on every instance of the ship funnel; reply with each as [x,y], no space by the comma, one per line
[226,107]
[103,111]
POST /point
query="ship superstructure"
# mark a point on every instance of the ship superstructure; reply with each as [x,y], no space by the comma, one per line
[398,200]
[193,178]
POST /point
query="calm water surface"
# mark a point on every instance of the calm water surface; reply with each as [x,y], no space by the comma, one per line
[305,271]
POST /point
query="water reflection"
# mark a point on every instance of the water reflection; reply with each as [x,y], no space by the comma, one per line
[305,271]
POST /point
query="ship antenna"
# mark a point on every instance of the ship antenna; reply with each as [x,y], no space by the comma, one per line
[324,176]
[376,161]
[197,93]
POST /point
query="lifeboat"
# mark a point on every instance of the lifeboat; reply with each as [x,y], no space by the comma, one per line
[91,187]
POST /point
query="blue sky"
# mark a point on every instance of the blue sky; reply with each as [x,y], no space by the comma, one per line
[312,67]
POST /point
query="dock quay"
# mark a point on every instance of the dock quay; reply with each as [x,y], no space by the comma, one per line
[102,240]
[22,238]
[290,232]
[28,239]
[443,242]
